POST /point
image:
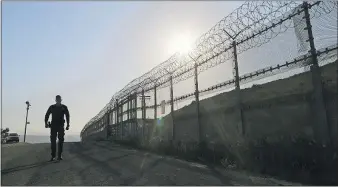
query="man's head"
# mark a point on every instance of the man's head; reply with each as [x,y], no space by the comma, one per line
[58,99]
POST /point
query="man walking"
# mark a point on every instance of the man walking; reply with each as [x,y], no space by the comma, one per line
[58,112]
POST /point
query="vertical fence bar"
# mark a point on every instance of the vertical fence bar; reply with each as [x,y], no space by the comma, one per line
[114,121]
[321,124]
[129,115]
[118,121]
[108,124]
[155,108]
[135,105]
[130,104]
[142,104]
[155,103]
[200,134]
[135,113]
[118,129]
[143,113]
[240,126]
[172,108]
[116,109]
[121,120]
[128,108]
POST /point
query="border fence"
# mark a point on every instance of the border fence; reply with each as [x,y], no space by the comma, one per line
[252,26]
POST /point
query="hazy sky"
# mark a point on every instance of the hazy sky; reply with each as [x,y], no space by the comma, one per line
[87,51]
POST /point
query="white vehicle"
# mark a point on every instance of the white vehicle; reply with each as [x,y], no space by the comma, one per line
[12,137]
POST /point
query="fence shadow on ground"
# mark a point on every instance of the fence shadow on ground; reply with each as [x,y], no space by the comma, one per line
[296,160]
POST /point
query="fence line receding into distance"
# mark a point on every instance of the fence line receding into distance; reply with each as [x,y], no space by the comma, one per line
[252,25]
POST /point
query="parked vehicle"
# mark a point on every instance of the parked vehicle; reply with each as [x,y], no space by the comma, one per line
[12,137]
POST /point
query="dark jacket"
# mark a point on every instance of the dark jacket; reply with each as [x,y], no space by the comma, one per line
[58,113]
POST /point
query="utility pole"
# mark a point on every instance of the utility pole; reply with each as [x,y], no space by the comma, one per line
[28,105]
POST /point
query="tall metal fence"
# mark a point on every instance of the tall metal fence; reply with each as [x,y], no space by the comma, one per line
[273,38]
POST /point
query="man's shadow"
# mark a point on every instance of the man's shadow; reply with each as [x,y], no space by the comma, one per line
[24,167]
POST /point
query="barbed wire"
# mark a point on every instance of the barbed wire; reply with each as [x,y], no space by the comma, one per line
[326,55]
[251,25]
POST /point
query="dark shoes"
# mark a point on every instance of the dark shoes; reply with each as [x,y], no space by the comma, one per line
[53,158]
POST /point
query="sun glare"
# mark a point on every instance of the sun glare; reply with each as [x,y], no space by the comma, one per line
[181,43]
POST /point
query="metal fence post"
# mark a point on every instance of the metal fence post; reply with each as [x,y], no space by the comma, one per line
[321,128]
[128,108]
[108,123]
[200,134]
[115,121]
[143,114]
[118,127]
[129,114]
[155,103]
[135,113]
[131,108]
[155,108]
[172,106]
[122,121]
[241,127]
[131,121]
[142,104]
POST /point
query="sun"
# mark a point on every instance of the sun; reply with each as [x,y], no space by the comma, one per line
[181,43]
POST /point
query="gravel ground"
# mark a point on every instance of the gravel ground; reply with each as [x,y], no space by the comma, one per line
[104,163]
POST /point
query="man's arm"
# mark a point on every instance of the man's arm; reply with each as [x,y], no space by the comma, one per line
[49,111]
[67,115]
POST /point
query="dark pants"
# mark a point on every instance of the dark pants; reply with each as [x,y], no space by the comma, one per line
[59,131]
